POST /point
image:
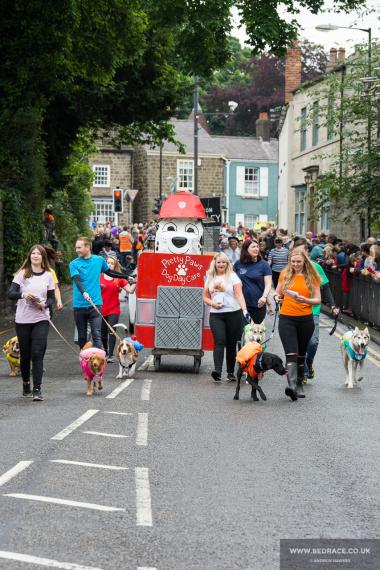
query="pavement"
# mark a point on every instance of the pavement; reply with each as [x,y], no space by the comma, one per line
[166,471]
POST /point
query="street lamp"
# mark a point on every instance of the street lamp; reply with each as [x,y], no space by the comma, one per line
[329,28]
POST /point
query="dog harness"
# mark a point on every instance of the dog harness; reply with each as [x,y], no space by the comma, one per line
[249,358]
[13,359]
[345,342]
[84,358]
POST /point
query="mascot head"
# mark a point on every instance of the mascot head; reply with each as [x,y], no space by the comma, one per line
[179,228]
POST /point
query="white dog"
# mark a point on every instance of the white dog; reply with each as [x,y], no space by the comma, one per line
[254,332]
[354,347]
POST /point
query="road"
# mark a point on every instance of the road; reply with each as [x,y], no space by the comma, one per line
[168,472]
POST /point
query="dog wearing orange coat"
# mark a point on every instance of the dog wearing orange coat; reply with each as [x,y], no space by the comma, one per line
[93,363]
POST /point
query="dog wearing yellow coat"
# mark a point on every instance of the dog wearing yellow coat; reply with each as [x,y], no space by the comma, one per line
[11,350]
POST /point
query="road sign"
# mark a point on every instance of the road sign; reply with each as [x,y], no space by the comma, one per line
[213,212]
[132,194]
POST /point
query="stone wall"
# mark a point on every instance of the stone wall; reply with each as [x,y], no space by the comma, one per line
[142,211]
[120,162]
[147,179]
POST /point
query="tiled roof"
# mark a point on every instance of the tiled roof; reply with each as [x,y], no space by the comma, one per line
[243,148]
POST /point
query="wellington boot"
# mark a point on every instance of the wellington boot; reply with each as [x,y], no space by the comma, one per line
[300,392]
[291,390]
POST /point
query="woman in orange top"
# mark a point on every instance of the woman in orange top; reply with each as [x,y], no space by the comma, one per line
[297,290]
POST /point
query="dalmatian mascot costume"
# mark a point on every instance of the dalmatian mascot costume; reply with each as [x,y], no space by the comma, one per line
[180,229]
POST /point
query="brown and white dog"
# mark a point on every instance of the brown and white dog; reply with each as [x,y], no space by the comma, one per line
[126,355]
[93,363]
[11,350]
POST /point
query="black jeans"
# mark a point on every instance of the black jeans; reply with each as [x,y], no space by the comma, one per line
[226,329]
[257,314]
[109,339]
[275,278]
[32,339]
[84,316]
[295,333]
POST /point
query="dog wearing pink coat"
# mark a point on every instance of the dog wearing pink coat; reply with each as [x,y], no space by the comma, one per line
[93,363]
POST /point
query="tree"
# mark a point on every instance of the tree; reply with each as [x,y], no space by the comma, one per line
[351,184]
[84,64]
[261,89]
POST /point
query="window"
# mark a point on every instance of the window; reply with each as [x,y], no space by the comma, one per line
[102,175]
[300,211]
[104,210]
[251,182]
[185,173]
[250,220]
[330,117]
[315,131]
[303,129]
[325,218]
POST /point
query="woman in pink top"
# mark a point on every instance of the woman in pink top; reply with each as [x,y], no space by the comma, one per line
[33,288]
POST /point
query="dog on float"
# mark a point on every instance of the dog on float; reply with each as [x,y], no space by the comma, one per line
[126,351]
[93,363]
[354,348]
[254,362]
[11,350]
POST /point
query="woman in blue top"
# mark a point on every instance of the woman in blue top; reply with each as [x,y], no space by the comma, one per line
[256,276]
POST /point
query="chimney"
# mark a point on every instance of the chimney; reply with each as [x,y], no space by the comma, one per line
[332,61]
[263,127]
[341,54]
[292,70]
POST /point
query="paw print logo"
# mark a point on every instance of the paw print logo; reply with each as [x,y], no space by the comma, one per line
[181,269]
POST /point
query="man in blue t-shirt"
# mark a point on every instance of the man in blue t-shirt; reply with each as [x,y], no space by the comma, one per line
[85,272]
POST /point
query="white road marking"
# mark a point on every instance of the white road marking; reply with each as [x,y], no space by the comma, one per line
[103,434]
[142,429]
[63,502]
[82,463]
[145,390]
[70,428]
[14,471]
[143,500]
[120,388]
[146,568]
[120,413]
[44,561]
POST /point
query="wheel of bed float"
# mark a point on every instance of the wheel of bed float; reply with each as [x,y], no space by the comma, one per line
[157,363]
[197,364]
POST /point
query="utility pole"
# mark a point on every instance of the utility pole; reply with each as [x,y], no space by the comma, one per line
[196,132]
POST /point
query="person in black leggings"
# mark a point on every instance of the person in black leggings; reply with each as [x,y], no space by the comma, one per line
[33,288]
[297,290]
[223,293]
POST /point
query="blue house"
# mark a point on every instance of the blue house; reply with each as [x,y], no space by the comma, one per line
[250,180]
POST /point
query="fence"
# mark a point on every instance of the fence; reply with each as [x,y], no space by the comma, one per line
[363,299]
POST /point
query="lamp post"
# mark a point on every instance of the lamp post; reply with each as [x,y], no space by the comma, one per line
[332,27]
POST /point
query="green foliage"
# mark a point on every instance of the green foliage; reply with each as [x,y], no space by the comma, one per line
[352,182]
[22,229]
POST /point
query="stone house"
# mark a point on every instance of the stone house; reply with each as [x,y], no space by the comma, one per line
[307,149]
[242,171]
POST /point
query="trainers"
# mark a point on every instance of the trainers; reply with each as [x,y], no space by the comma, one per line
[26,391]
[310,373]
[217,377]
[37,395]
[110,359]
[231,378]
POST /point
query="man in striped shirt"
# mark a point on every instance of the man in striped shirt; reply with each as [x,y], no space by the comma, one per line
[278,259]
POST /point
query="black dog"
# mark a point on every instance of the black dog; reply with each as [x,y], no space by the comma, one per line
[265,361]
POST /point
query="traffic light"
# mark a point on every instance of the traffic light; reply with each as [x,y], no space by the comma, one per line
[117,200]
[157,205]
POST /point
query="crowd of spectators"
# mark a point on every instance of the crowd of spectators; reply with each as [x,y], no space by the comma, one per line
[343,256]
[123,242]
